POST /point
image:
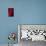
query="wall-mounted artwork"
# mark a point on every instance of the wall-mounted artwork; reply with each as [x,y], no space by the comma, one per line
[10,12]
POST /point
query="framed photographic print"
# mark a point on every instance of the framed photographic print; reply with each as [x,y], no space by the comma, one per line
[10,12]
